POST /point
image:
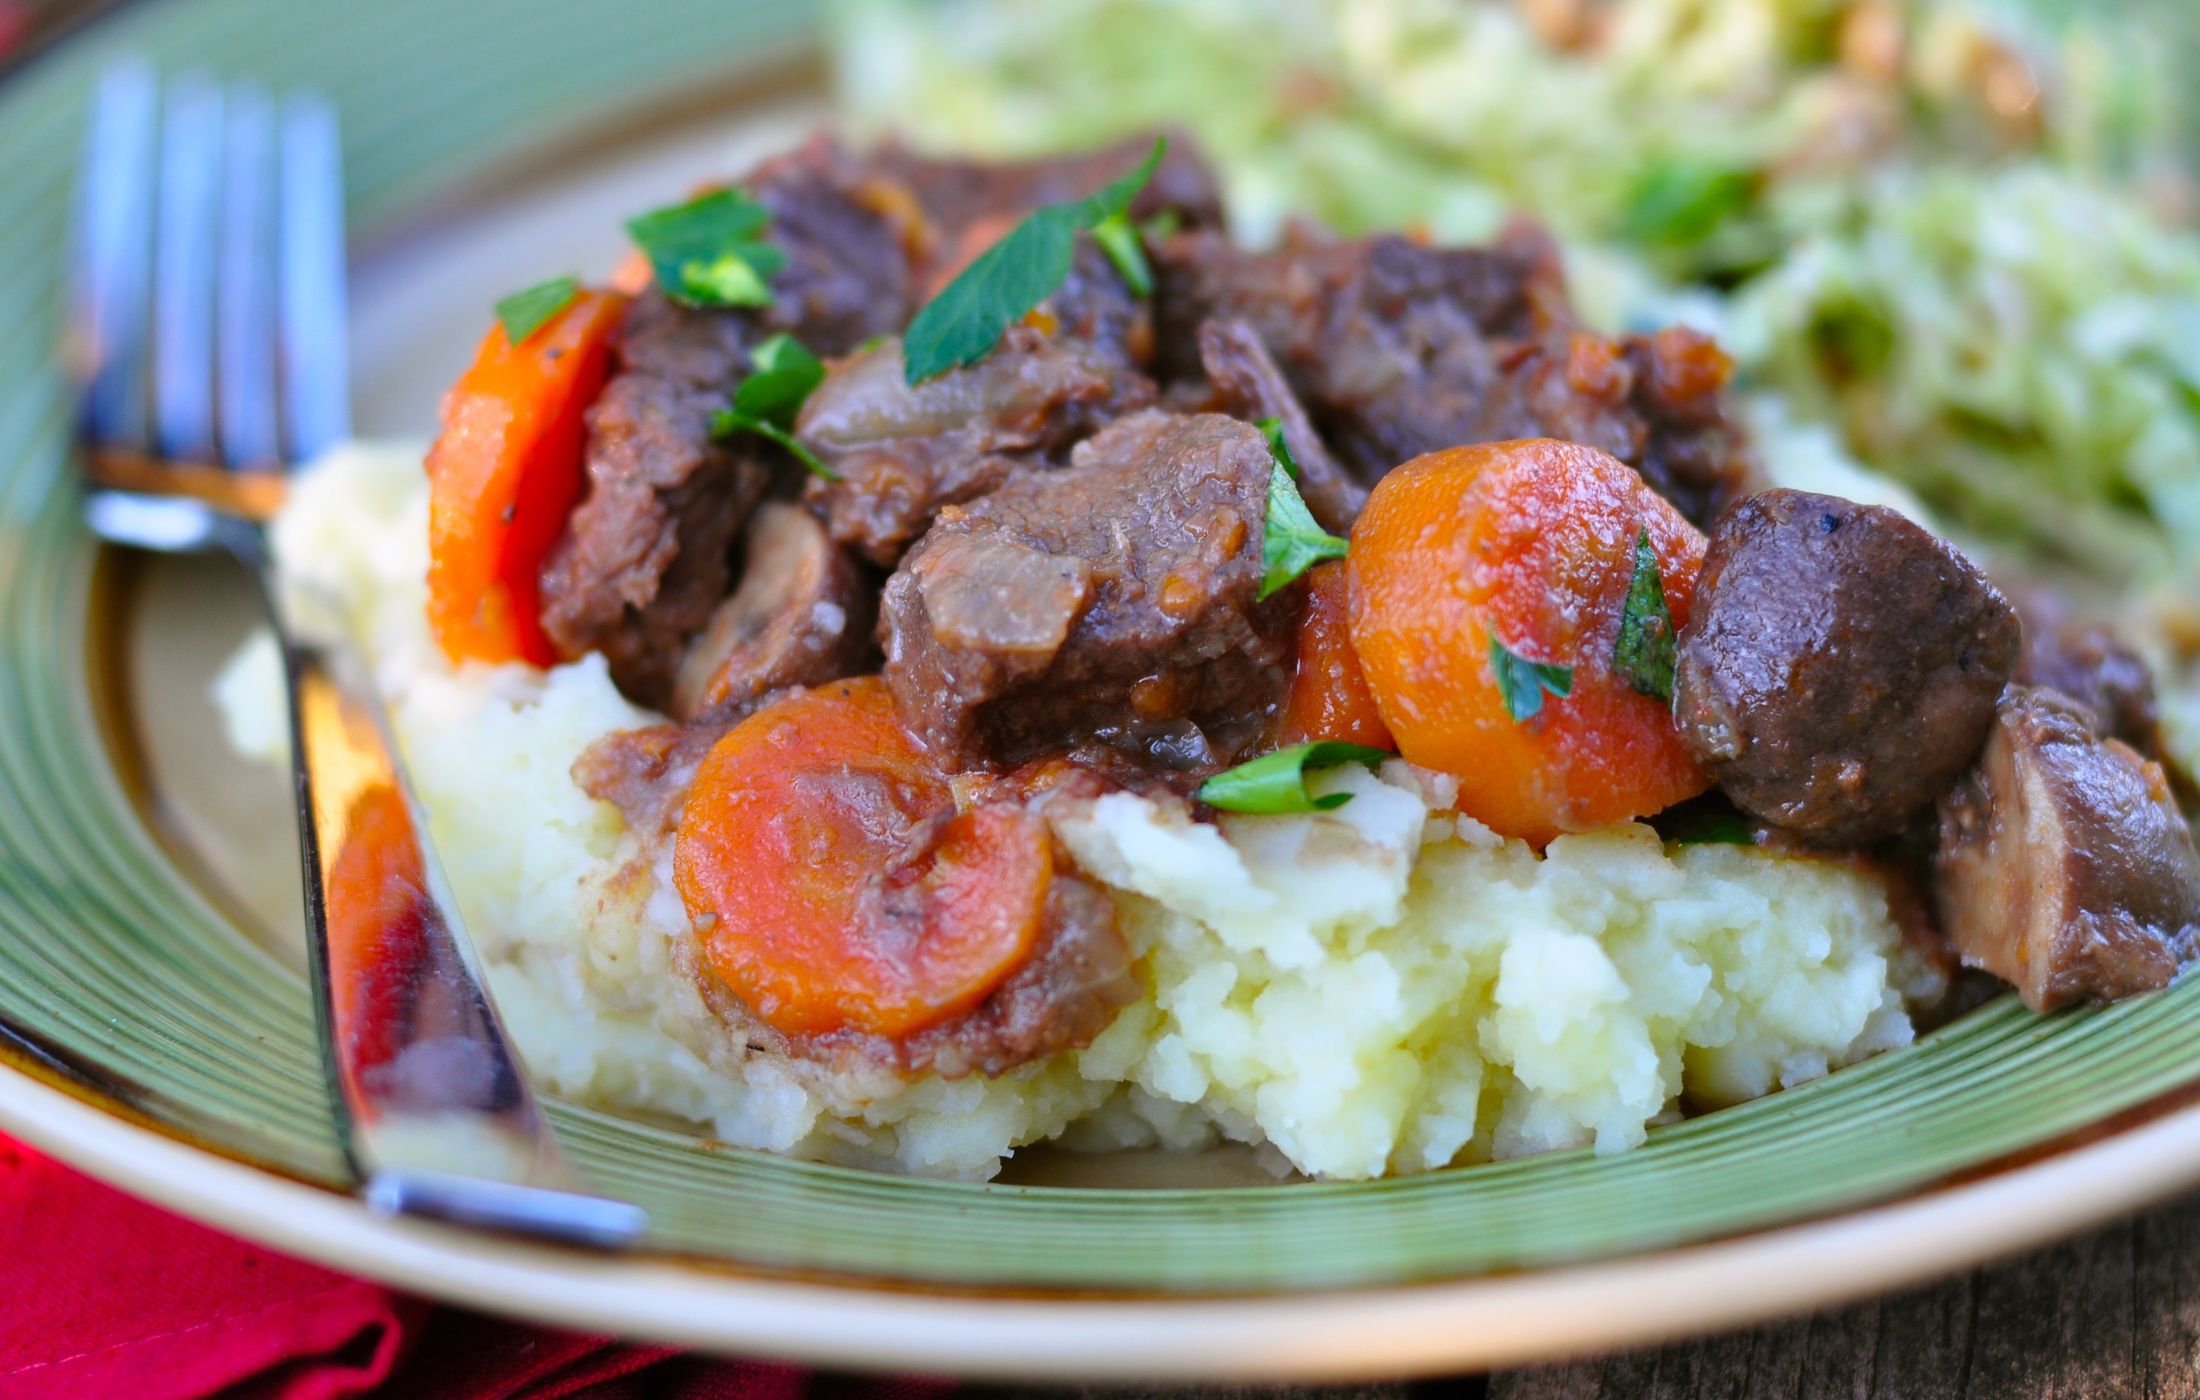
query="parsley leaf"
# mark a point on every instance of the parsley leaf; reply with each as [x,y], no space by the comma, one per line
[964,322]
[524,312]
[1521,682]
[782,374]
[1293,542]
[709,251]
[1644,650]
[1276,783]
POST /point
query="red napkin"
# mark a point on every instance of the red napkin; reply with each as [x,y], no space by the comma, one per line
[15,24]
[107,1296]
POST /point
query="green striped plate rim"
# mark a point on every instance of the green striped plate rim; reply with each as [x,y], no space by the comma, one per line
[112,961]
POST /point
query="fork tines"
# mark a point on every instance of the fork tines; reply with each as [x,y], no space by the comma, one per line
[208,326]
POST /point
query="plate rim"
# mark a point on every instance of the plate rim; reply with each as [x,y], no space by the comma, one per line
[1534,1316]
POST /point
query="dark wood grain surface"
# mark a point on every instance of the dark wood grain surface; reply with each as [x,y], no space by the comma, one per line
[2111,1314]
[2114,1315]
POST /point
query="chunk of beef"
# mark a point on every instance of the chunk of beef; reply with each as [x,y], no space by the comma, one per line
[802,616]
[1393,345]
[968,206]
[648,553]
[1244,382]
[902,453]
[1840,666]
[958,195]
[1398,348]
[646,773]
[1690,452]
[840,221]
[1115,599]
[1095,307]
[2090,664]
[2064,866]
[1080,773]
[645,555]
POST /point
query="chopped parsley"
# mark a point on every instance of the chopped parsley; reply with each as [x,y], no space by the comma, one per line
[1120,241]
[1684,202]
[1644,650]
[1522,683]
[1292,542]
[964,322]
[524,312]
[782,374]
[1276,783]
[710,250]
[1279,446]
[1161,224]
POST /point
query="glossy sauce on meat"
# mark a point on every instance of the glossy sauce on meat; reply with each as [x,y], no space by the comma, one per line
[2085,661]
[1114,600]
[1399,348]
[958,195]
[1244,382]
[649,552]
[802,616]
[1841,666]
[2064,866]
[901,454]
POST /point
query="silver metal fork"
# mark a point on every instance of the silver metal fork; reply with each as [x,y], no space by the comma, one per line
[208,336]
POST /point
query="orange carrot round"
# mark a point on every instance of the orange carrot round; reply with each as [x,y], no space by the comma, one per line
[1329,697]
[833,883]
[1529,547]
[504,474]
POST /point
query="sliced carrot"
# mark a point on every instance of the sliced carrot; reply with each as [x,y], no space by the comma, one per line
[1530,545]
[504,474]
[1329,697]
[833,883]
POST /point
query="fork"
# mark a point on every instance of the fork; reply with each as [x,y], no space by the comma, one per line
[207,334]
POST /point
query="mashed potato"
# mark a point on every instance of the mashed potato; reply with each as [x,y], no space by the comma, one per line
[1385,987]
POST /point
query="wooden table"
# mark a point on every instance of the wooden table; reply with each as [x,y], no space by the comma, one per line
[2114,1313]
[2111,1314]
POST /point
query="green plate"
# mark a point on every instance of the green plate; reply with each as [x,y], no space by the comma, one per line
[186,1047]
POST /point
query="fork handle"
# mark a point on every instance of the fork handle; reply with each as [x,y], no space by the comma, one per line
[436,1115]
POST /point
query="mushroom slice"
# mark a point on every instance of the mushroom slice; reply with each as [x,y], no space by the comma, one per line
[800,617]
[2064,866]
